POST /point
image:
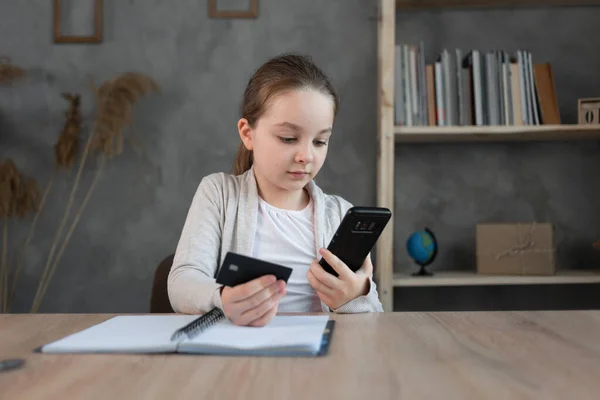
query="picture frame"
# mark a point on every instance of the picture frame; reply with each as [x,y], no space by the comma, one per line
[96,37]
[251,12]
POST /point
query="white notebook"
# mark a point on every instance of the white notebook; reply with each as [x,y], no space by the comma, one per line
[284,335]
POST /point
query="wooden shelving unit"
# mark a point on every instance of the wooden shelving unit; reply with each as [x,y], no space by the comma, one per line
[424,134]
[390,136]
[469,278]
[424,4]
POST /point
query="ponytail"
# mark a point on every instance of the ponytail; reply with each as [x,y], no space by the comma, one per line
[243,160]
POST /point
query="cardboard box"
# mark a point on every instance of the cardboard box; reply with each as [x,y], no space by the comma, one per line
[516,249]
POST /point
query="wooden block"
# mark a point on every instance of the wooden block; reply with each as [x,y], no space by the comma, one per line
[588,111]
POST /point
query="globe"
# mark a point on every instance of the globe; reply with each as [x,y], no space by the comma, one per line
[422,248]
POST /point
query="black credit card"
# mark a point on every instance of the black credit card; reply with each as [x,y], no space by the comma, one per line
[237,269]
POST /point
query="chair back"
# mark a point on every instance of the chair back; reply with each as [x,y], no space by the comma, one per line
[159,300]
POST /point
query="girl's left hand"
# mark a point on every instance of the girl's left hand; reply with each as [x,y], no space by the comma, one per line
[335,291]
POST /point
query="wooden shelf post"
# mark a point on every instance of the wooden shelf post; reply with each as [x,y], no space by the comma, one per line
[385,150]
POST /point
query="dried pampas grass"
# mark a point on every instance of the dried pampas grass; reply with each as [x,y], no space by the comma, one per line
[66,147]
[10,73]
[27,197]
[7,175]
[114,104]
[19,195]
[65,152]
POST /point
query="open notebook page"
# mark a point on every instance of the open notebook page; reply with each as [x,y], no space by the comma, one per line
[282,332]
[124,334]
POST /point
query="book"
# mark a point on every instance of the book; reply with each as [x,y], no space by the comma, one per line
[211,333]
[544,83]
[472,87]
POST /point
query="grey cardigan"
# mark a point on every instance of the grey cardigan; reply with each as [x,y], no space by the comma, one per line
[222,218]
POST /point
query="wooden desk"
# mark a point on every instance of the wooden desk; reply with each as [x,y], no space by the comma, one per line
[507,355]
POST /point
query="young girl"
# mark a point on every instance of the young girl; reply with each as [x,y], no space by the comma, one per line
[272,209]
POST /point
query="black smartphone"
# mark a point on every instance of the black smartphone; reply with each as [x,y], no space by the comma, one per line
[237,269]
[357,234]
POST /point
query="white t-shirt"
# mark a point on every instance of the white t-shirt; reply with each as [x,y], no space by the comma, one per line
[286,237]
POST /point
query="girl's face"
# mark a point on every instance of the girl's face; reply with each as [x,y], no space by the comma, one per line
[290,139]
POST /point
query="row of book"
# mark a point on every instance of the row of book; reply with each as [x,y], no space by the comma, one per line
[479,87]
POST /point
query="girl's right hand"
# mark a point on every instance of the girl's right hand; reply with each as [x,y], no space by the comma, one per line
[253,303]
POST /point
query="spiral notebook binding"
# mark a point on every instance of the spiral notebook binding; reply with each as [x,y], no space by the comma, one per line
[199,324]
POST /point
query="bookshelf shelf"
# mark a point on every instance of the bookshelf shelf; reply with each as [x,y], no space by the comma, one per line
[425,134]
[389,135]
[470,278]
[461,4]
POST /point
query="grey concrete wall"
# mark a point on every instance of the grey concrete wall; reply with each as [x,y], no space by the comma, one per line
[136,213]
